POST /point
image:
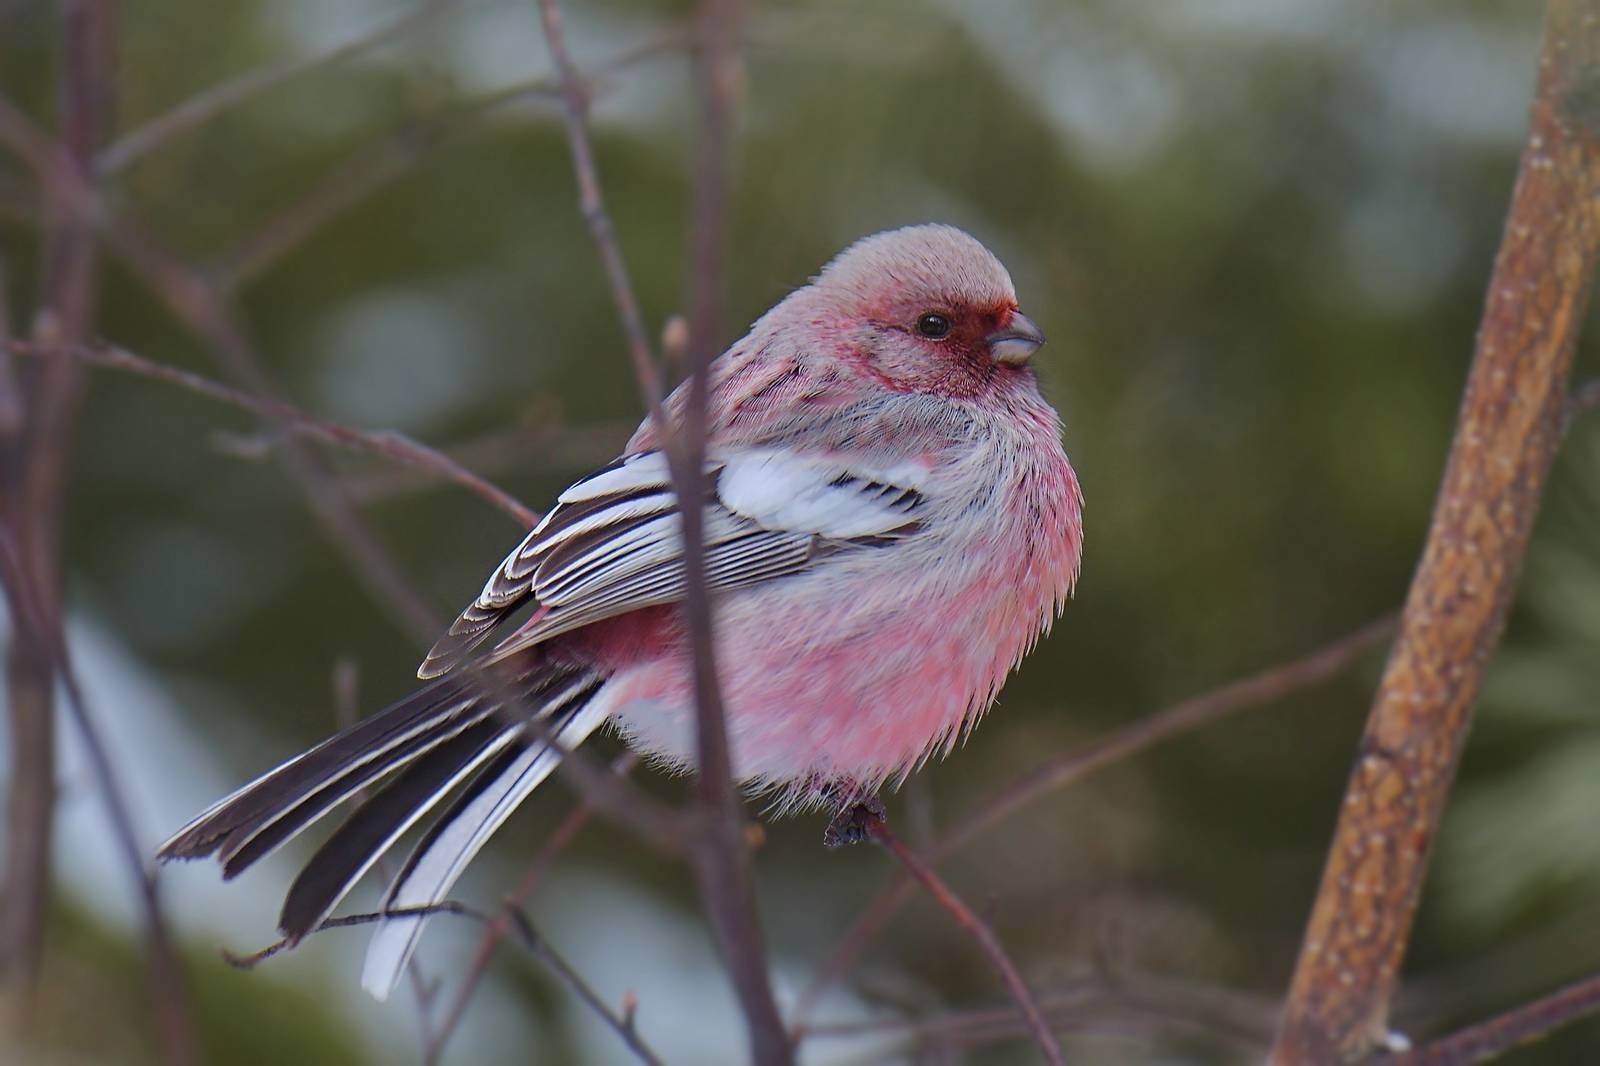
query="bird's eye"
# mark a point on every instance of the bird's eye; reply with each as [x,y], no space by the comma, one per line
[934,326]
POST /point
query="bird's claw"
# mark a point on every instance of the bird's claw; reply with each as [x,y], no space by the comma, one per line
[852,824]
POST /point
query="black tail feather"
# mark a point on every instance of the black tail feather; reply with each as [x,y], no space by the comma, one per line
[426,746]
[561,710]
[374,739]
[377,823]
[255,840]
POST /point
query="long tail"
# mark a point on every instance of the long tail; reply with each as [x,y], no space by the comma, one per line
[445,738]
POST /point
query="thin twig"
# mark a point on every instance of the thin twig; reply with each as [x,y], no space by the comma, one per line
[1509,428]
[11,421]
[250,960]
[32,504]
[395,447]
[591,202]
[346,712]
[210,315]
[168,985]
[1269,686]
[541,949]
[653,821]
[1584,398]
[349,184]
[632,808]
[1075,1004]
[207,104]
[1254,691]
[722,862]
[1490,1039]
[540,441]
[51,167]
[980,932]
[496,931]
[376,167]
[1266,687]
[527,936]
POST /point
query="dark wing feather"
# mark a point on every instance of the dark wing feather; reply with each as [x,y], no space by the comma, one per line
[371,748]
[613,543]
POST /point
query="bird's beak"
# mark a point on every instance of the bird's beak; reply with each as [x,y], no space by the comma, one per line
[1014,344]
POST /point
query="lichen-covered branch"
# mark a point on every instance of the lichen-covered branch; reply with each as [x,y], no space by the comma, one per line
[1510,423]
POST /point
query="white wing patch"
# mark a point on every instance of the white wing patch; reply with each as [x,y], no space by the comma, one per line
[781,490]
[614,543]
[645,470]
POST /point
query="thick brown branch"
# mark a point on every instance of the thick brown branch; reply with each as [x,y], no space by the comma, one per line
[1509,425]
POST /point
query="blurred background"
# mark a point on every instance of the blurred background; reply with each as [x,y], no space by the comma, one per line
[1257,233]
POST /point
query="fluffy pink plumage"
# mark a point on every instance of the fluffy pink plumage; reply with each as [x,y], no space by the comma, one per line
[892,524]
[852,675]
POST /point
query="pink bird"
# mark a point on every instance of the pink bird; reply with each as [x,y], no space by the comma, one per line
[891,524]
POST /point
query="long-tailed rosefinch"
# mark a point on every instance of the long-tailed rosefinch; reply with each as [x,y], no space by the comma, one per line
[890,525]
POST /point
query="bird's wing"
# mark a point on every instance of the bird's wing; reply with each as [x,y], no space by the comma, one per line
[613,542]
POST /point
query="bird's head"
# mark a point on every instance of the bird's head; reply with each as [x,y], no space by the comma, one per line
[925,309]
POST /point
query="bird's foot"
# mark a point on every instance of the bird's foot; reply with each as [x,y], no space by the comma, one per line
[854,820]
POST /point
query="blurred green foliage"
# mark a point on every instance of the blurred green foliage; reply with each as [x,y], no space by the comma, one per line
[1257,235]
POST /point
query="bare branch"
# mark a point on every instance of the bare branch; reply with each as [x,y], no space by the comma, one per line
[206,105]
[980,932]
[11,422]
[541,949]
[1490,1039]
[395,447]
[1254,691]
[208,313]
[527,936]
[591,201]
[1506,438]
[34,615]
[353,183]
[346,712]
[538,440]
[1181,718]
[722,861]
[31,507]
[1585,398]
[378,166]
[497,929]
[1093,1002]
